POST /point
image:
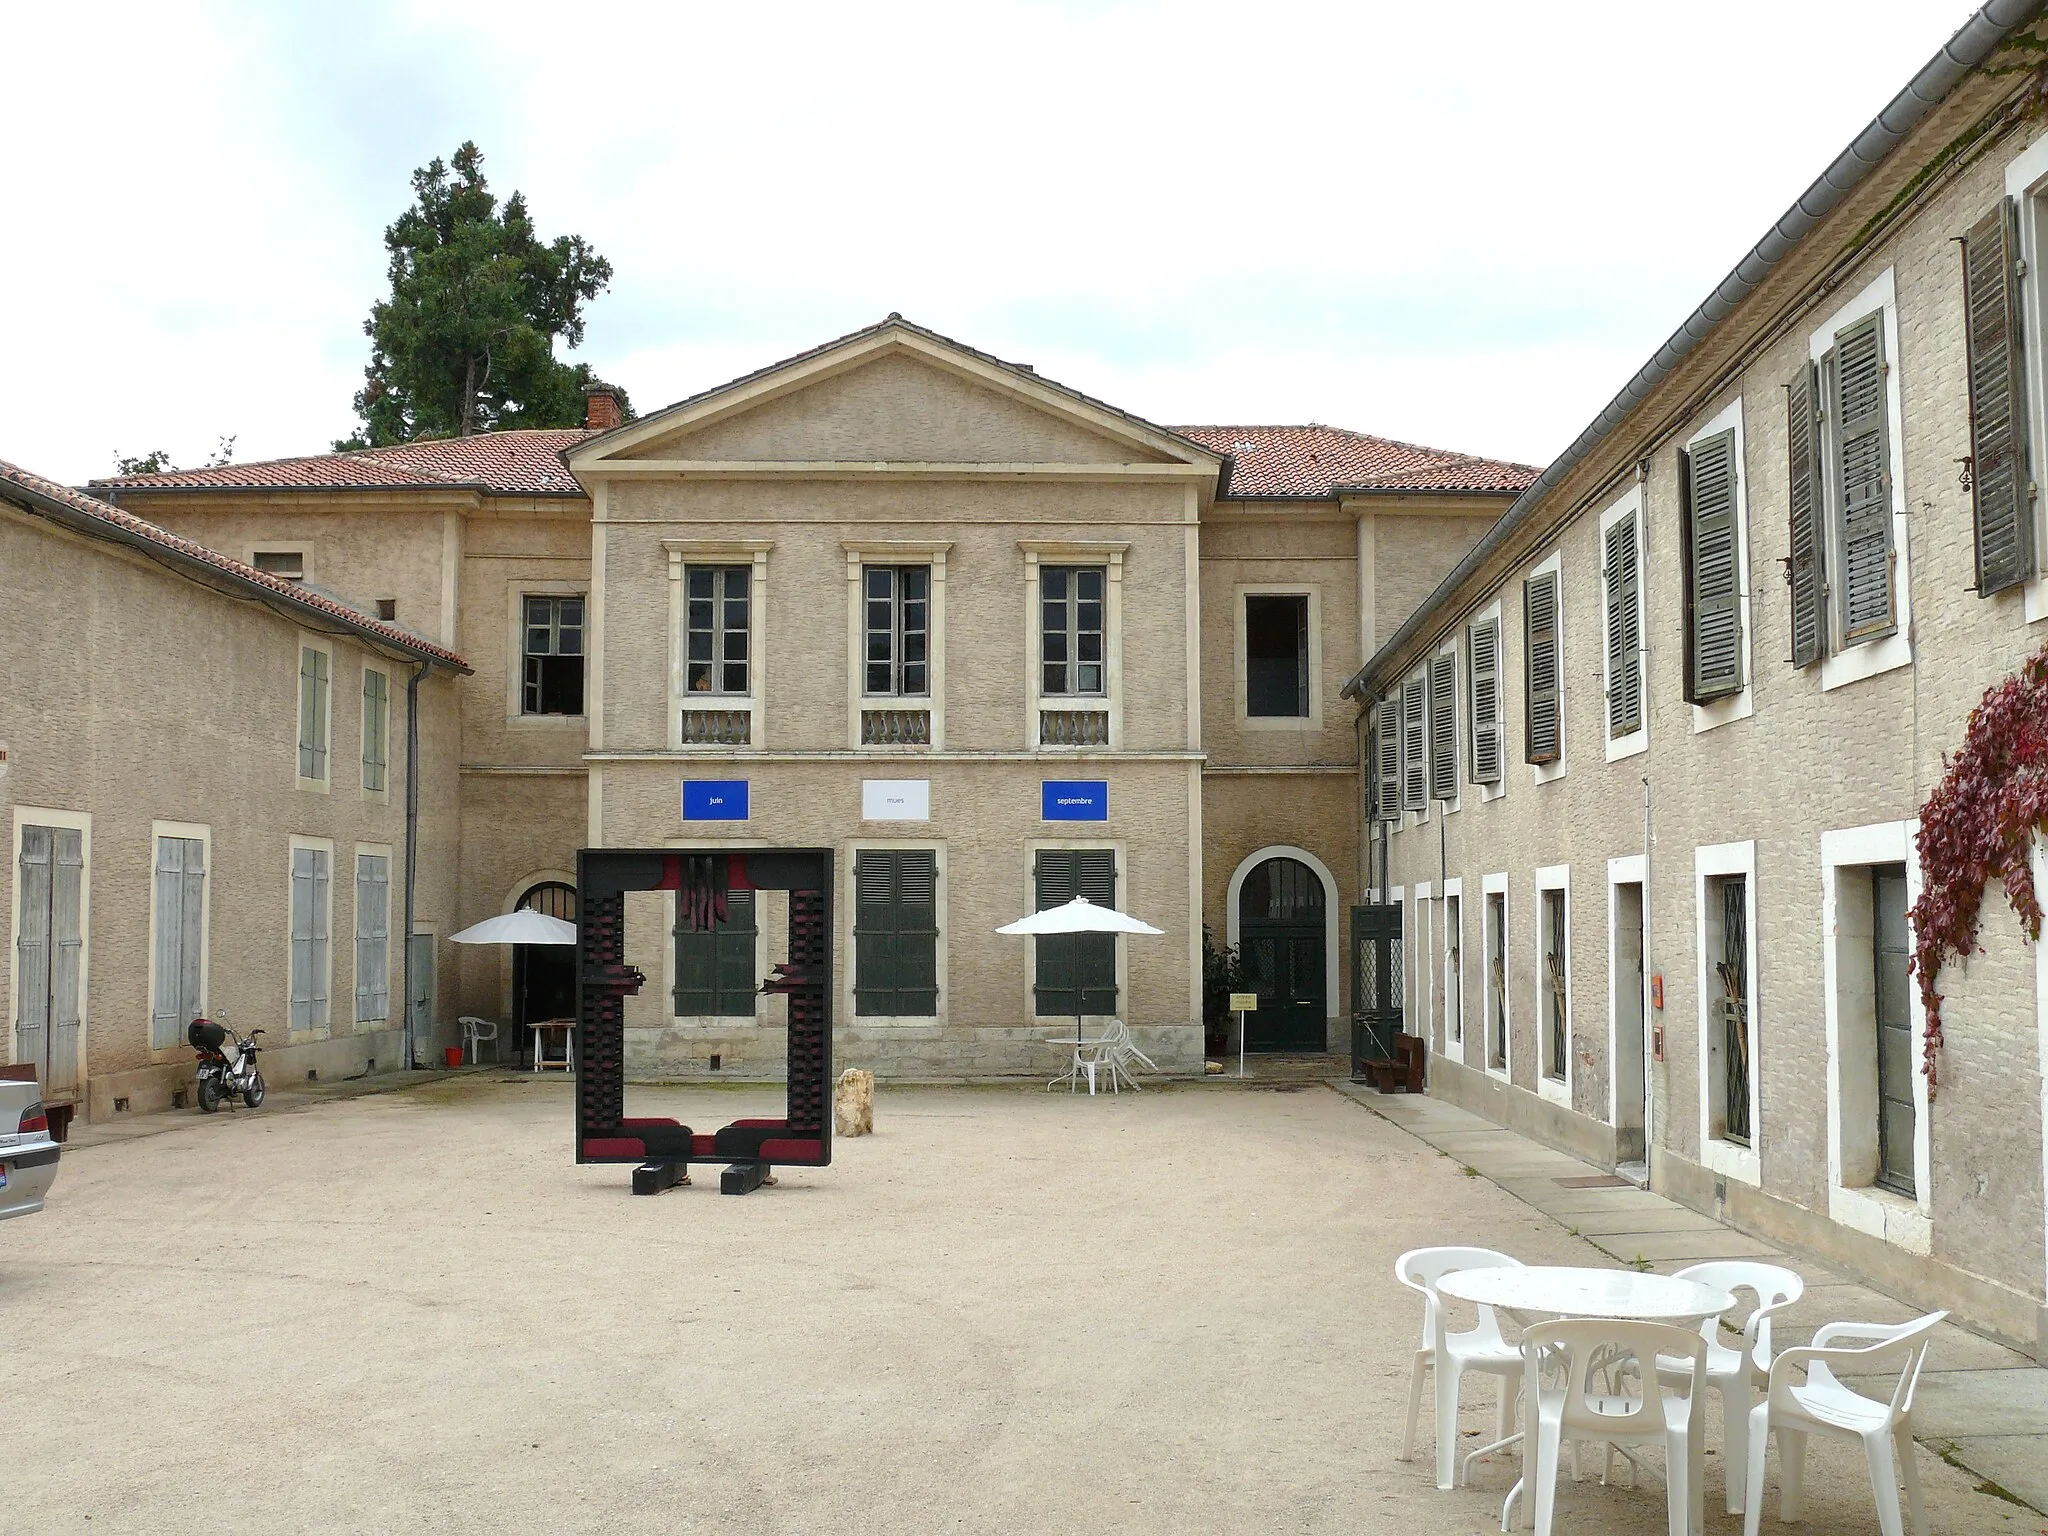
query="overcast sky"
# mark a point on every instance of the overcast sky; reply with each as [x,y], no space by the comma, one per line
[1466,234]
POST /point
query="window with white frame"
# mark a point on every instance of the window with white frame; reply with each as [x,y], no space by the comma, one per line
[376,729]
[1495,975]
[717,628]
[716,590]
[311,908]
[1553,982]
[316,711]
[1729,992]
[373,937]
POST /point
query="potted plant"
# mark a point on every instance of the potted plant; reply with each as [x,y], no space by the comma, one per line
[1222,974]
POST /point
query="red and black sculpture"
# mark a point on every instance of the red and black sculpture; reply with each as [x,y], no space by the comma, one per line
[663,1148]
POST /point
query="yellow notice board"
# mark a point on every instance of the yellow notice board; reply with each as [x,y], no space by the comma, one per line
[1244,1002]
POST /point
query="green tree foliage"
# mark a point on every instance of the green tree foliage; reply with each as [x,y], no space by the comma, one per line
[466,341]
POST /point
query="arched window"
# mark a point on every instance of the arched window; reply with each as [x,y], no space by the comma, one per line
[552,898]
[1280,891]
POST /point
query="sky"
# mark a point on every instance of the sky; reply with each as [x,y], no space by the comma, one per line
[1462,233]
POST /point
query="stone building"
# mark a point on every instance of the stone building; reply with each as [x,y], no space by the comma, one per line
[1648,762]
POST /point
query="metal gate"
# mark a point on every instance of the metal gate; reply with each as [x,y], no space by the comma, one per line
[1376,985]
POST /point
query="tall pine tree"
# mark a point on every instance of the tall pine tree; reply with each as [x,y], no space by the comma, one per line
[466,341]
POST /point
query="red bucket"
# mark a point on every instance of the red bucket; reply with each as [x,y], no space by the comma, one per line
[454,1054]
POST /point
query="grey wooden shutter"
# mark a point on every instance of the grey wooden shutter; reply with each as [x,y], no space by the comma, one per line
[192,939]
[312,713]
[67,956]
[1483,688]
[1443,726]
[323,928]
[1863,482]
[1075,973]
[178,958]
[373,930]
[1414,744]
[302,939]
[32,946]
[1713,570]
[376,728]
[1624,630]
[1387,750]
[895,932]
[1541,732]
[715,966]
[1806,565]
[2001,485]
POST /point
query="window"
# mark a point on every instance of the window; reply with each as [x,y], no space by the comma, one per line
[387,609]
[1415,743]
[314,712]
[1276,655]
[895,933]
[1553,988]
[717,624]
[897,621]
[1621,596]
[287,563]
[554,656]
[1891,950]
[1076,972]
[177,996]
[1454,968]
[1071,600]
[311,872]
[1482,671]
[1728,1005]
[1542,726]
[715,966]
[1496,982]
[373,937]
[1710,554]
[376,729]
[2001,496]
[1443,725]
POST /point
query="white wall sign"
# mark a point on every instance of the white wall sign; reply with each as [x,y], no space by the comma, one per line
[896,799]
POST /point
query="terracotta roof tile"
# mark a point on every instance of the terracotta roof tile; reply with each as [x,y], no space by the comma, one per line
[1316,462]
[48,492]
[522,463]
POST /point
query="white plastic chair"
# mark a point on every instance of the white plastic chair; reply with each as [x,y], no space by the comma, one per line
[1576,1410]
[475,1031]
[1118,1052]
[1822,1405]
[1450,1355]
[1737,1374]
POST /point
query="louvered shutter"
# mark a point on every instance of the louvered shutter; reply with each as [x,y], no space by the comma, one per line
[1624,630]
[302,939]
[32,945]
[192,940]
[1862,472]
[895,932]
[715,965]
[1483,686]
[67,955]
[1443,726]
[323,927]
[373,911]
[166,952]
[1712,570]
[1414,743]
[1075,973]
[2001,485]
[312,713]
[1387,747]
[1541,733]
[1806,566]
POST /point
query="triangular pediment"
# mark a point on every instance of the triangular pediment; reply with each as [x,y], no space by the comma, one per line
[892,394]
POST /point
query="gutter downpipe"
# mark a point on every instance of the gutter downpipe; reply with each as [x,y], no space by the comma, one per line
[1972,44]
[1649,855]
[412,839]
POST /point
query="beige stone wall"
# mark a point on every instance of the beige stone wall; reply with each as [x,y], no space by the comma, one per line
[1807,761]
[138,696]
[510,548]
[1415,548]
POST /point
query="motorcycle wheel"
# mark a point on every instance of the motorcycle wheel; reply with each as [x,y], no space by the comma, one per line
[209,1095]
[253,1094]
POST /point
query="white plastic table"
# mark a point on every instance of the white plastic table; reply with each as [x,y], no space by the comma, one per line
[1556,1290]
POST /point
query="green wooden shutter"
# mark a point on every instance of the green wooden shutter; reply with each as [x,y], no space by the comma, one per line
[1624,629]
[1862,476]
[1387,723]
[1483,686]
[1806,566]
[2001,487]
[715,966]
[1075,972]
[1443,726]
[1541,728]
[896,933]
[1713,570]
[1415,743]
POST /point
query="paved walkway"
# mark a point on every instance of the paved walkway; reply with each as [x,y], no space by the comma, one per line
[1980,1406]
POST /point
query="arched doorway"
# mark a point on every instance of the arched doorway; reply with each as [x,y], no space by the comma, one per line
[544,975]
[1282,920]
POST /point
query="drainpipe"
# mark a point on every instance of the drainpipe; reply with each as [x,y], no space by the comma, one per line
[412,838]
[1649,840]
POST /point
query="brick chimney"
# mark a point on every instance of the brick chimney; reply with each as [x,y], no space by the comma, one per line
[601,407]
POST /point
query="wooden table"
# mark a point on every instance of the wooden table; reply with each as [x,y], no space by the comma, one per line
[567,1029]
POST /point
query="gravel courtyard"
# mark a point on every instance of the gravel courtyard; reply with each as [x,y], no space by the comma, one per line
[1006,1311]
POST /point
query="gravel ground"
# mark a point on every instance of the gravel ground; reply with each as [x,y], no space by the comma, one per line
[1005,1311]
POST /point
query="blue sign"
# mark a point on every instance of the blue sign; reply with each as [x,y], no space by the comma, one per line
[714,799]
[1074,800]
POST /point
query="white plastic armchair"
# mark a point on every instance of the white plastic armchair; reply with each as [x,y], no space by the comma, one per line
[1450,1354]
[1822,1405]
[1738,1373]
[1118,1052]
[474,1032]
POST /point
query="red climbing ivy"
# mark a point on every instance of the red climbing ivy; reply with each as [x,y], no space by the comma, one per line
[1980,823]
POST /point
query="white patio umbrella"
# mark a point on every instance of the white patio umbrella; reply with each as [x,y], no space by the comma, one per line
[525,926]
[1079,916]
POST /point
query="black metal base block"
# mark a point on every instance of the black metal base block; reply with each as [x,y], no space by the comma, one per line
[653,1178]
[742,1178]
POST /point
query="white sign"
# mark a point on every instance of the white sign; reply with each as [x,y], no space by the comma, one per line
[896,800]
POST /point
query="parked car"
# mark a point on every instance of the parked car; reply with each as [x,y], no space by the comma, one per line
[28,1157]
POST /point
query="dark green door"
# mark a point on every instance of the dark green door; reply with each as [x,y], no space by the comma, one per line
[1282,944]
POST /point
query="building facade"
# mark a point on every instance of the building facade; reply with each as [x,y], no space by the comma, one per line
[1648,765]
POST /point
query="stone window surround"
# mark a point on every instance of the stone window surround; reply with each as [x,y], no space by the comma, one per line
[1741,704]
[859,554]
[1545,773]
[1629,869]
[516,593]
[1493,791]
[1731,1159]
[683,553]
[1554,877]
[1240,661]
[202,834]
[1844,665]
[1496,885]
[850,907]
[2026,180]
[80,822]
[1628,508]
[321,845]
[310,642]
[394,894]
[1110,555]
[1907,1224]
